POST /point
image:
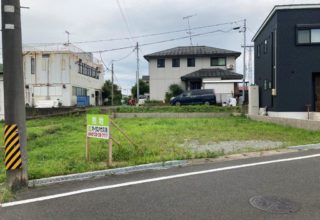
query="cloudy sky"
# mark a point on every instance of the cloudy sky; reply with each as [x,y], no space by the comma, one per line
[93,20]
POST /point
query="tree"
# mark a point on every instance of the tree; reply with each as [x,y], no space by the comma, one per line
[106,93]
[143,88]
[174,90]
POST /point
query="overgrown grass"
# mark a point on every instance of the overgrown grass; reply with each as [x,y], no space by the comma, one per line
[6,194]
[186,108]
[56,145]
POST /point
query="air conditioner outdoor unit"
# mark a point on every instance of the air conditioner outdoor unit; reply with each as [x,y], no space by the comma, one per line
[230,67]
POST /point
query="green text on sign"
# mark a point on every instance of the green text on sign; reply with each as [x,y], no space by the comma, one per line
[98,120]
[98,126]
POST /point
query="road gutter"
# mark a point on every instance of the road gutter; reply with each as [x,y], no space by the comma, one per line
[102,173]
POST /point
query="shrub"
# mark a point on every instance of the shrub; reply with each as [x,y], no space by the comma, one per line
[174,90]
[154,103]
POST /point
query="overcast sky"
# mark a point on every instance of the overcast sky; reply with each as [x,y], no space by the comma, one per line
[89,20]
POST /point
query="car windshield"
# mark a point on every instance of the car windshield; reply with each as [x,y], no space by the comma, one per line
[186,94]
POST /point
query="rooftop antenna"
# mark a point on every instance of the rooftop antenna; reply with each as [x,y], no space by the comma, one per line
[189,27]
[68,36]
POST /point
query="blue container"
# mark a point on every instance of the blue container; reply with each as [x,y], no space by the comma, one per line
[83,101]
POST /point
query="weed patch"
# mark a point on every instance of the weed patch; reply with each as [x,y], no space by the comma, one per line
[56,145]
[6,195]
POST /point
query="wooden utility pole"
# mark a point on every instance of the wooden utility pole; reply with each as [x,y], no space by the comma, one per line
[244,59]
[110,145]
[138,70]
[112,76]
[15,114]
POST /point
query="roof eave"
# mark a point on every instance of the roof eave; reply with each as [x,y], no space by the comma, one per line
[283,7]
[235,54]
[232,77]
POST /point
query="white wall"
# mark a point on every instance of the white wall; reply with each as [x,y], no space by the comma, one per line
[223,91]
[162,78]
[82,81]
[227,88]
[295,115]
[51,76]
[54,77]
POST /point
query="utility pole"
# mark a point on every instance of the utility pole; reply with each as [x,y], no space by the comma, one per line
[138,67]
[15,114]
[112,92]
[189,27]
[249,69]
[244,58]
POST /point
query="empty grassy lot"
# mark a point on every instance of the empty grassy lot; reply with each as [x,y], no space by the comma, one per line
[56,145]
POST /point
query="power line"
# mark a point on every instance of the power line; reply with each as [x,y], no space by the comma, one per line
[147,44]
[163,41]
[116,80]
[105,66]
[125,20]
[116,60]
[137,36]
[125,57]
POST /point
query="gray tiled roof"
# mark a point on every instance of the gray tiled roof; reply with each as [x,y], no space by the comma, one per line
[215,72]
[192,51]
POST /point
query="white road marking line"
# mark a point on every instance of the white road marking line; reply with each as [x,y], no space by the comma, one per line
[9,204]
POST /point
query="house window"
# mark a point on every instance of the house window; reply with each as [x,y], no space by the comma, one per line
[315,35]
[77,91]
[175,62]
[33,65]
[161,63]
[191,61]
[303,36]
[308,36]
[218,61]
[87,70]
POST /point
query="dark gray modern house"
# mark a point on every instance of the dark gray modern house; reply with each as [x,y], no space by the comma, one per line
[287,59]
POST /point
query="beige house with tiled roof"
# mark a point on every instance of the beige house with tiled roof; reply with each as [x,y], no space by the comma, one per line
[192,67]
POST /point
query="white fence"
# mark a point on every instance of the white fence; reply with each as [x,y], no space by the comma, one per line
[223,97]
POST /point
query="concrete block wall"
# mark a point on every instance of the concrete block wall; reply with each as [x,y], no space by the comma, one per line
[296,123]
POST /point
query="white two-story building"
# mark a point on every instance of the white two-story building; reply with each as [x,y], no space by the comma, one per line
[194,67]
[63,73]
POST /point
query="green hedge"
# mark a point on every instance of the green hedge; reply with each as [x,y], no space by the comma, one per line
[187,108]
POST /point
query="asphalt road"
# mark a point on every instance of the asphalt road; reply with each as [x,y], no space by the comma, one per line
[222,194]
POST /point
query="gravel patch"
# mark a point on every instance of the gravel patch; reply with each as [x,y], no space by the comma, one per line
[233,146]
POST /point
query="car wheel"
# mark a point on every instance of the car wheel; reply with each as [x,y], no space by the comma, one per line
[178,103]
[207,103]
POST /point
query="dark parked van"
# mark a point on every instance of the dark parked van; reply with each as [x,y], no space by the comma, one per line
[198,96]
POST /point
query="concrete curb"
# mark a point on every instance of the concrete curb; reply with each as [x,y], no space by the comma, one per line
[296,123]
[101,173]
[306,147]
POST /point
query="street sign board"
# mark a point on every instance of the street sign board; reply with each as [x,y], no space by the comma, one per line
[98,126]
